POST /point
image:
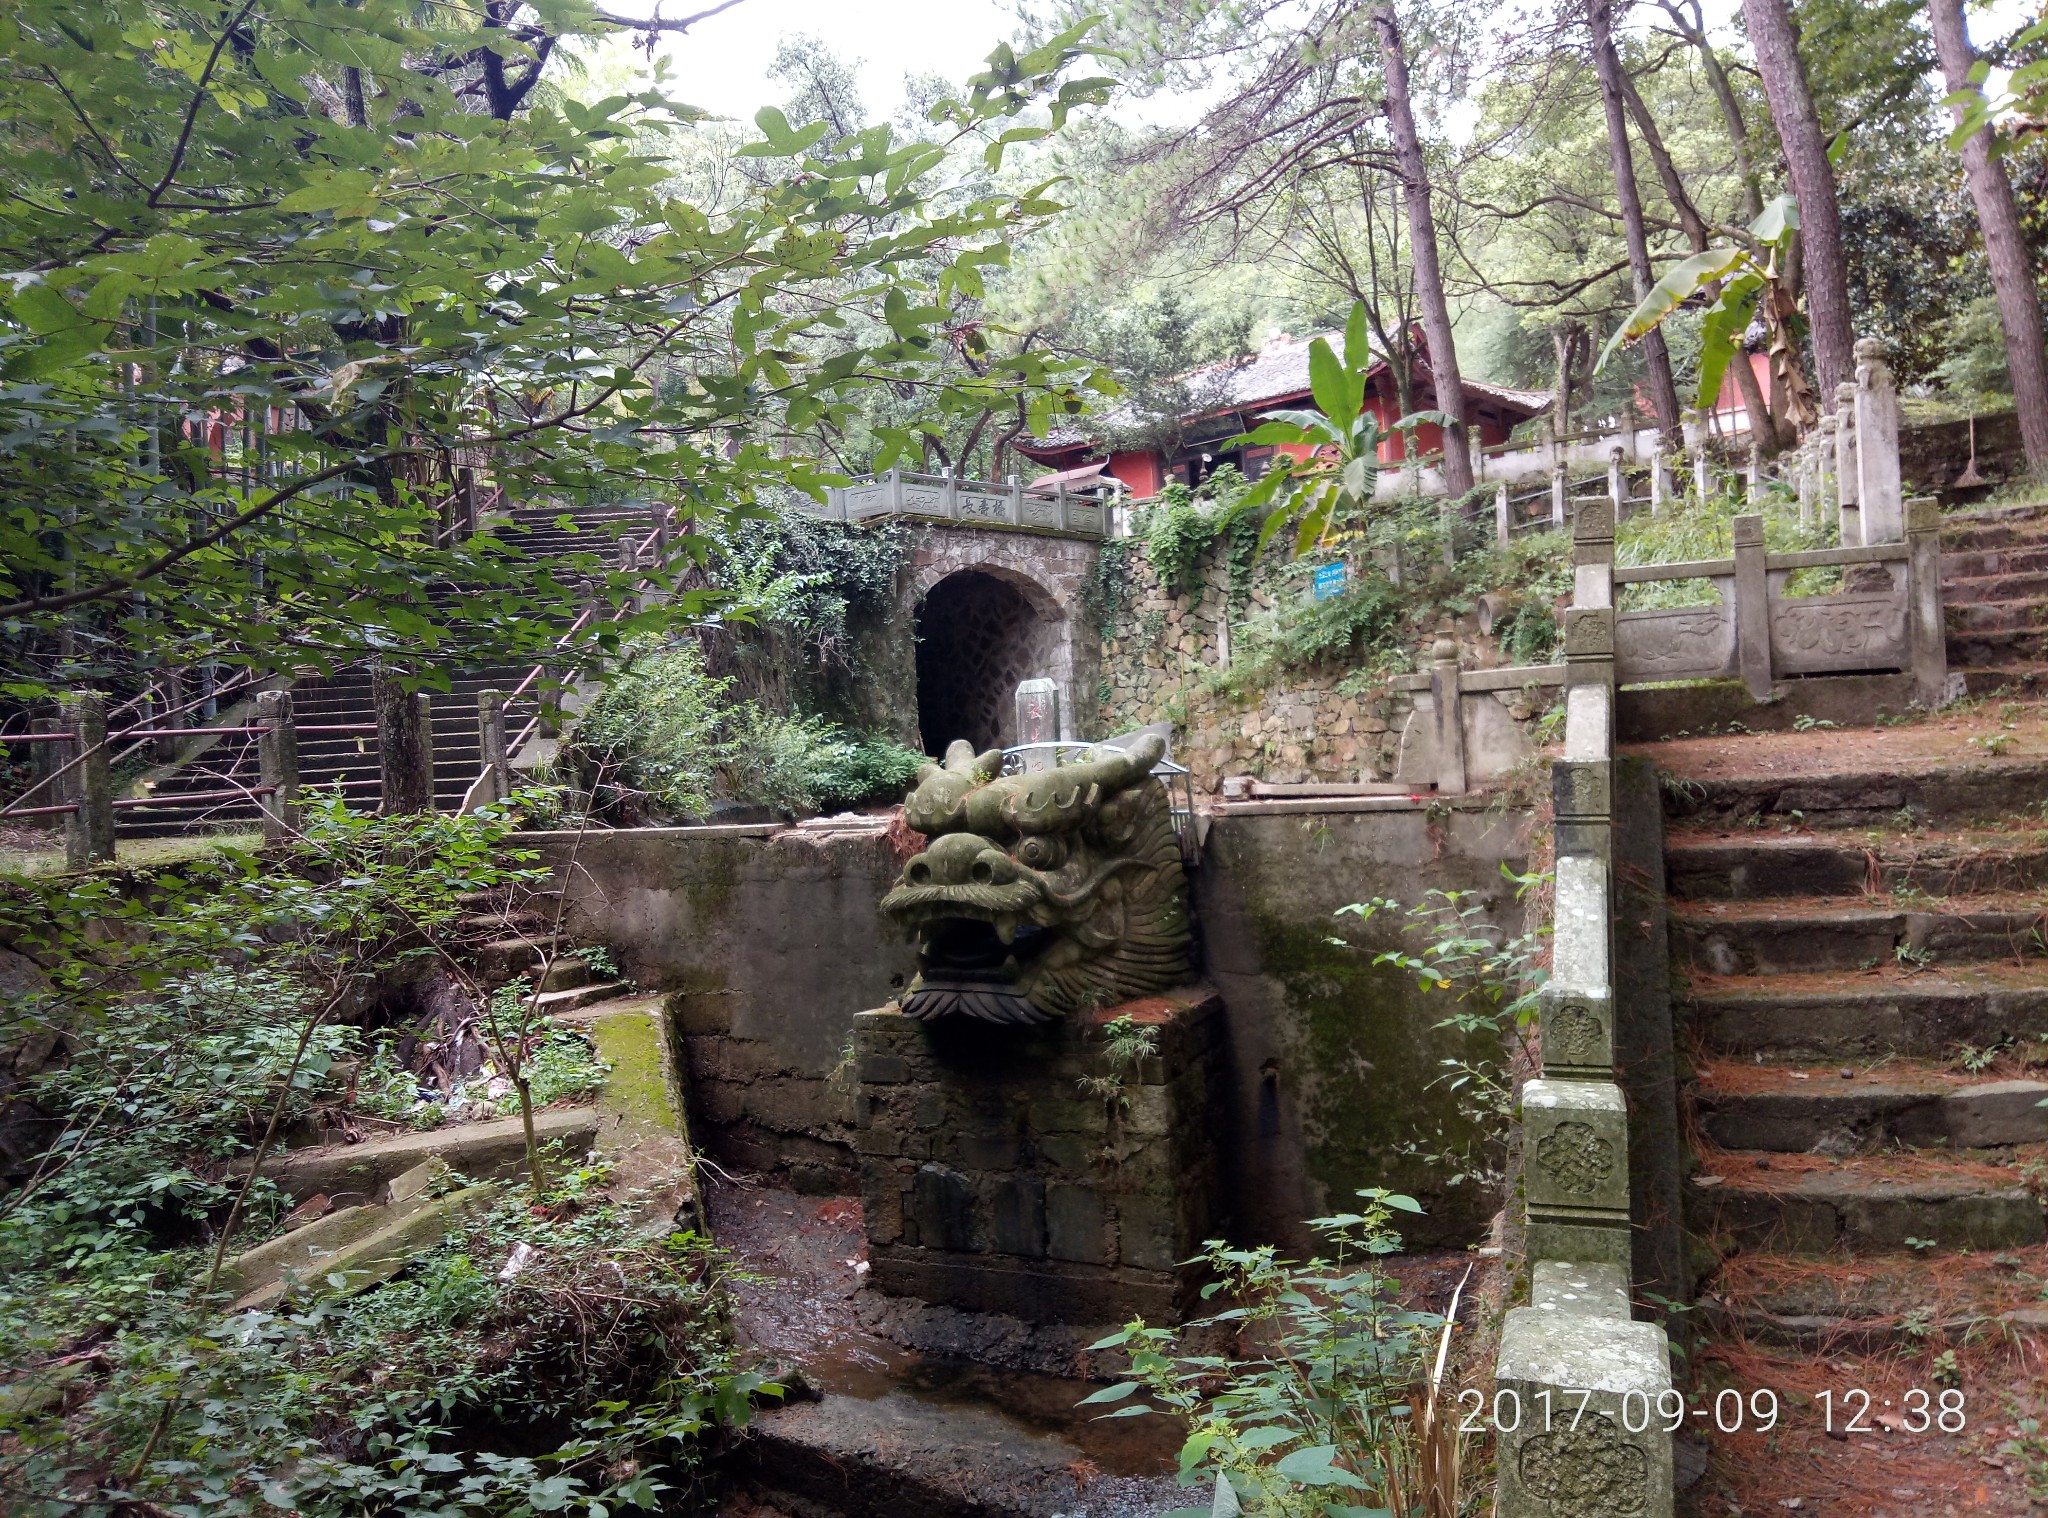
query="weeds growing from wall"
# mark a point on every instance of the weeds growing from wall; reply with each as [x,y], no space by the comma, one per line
[1492,979]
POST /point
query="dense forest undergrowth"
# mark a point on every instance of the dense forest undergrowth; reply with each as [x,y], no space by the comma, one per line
[562,1347]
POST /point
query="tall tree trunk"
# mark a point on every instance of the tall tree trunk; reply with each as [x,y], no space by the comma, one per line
[1813,186]
[2012,274]
[1422,253]
[405,744]
[1761,427]
[1692,26]
[1656,358]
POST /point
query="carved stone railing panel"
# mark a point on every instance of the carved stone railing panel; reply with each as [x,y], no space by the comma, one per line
[1675,643]
[1839,634]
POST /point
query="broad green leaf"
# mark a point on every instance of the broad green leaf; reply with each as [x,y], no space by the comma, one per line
[1116,1393]
[1330,385]
[347,188]
[1683,282]
[1779,219]
[1313,1467]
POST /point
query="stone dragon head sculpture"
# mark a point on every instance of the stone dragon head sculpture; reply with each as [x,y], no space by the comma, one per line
[1042,892]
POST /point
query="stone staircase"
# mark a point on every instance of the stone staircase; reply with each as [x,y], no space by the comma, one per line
[349,759]
[1861,928]
[1994,589]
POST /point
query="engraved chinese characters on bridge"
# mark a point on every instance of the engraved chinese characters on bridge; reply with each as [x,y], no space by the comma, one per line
[1576,1159]
[984,508]
[1838,632]
[1586,1471]
[1672,644]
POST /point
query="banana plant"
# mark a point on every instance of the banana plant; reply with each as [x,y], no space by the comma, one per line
[1334,485]
[1738,279]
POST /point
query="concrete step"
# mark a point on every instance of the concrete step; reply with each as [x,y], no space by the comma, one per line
[490,1150]
[2008,587]
[1766,867]
[575,998]
[502,958]
[1795,935]
[1808,1205]
[1957,794]
[1915,1103]
[1836,1018]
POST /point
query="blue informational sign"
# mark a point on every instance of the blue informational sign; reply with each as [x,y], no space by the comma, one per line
[1329,580]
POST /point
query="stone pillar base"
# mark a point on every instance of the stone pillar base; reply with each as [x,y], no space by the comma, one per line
[994,1181]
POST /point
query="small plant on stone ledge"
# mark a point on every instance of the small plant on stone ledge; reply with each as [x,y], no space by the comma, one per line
[1125,1044]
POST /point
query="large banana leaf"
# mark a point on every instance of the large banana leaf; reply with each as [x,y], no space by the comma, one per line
[1721,332]
[1683,282]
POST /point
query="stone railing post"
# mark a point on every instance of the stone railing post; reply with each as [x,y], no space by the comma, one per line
[1809,486]
[1848,477]
[1702,469]
[1577,1344]
[1927,635]
[1593,559]
[88,830]
[1503,515]
[1016,492]
[1617,483]
[277,765]
[1560,490]
[1660,475]
[1752,607]
[949,494]
[664,518]
[1038,720]
[1446,692]
[490,733]
[1879,491]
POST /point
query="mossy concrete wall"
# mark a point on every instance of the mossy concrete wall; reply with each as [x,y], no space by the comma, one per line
[1336,1063]
[766,941]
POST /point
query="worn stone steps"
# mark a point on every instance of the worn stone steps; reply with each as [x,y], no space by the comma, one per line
[1760,867]
[1792,936]
[2025,528]
[1968,591]
[1834,1017]
[2001,647]
[1807,1205]
[2003,680]
[1979,563]
[1961,793]
[1874,1301]
[2003,615]
[1858,1109]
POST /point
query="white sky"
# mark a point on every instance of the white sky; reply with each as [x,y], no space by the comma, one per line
[721,64]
